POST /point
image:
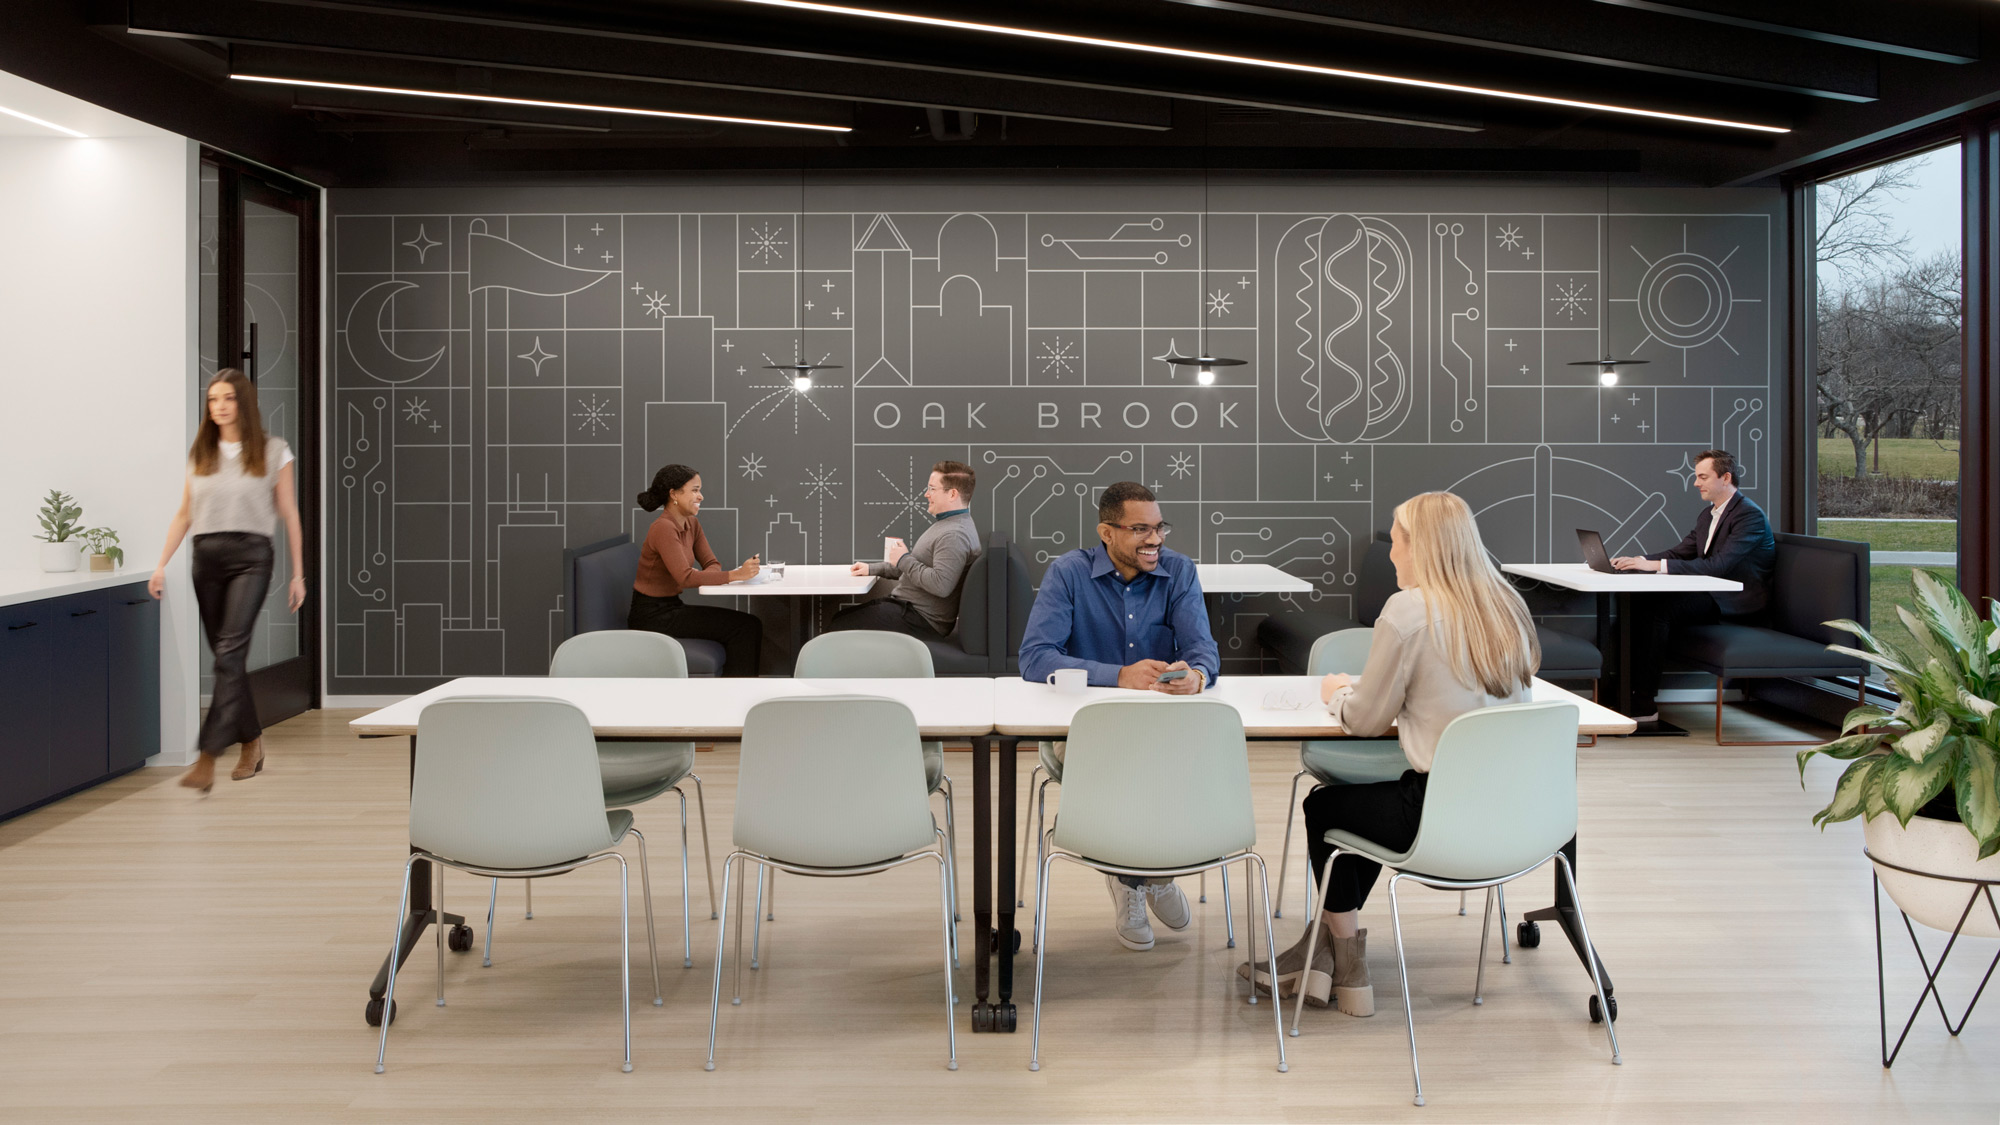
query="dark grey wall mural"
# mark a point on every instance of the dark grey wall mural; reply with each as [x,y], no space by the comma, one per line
[511,364]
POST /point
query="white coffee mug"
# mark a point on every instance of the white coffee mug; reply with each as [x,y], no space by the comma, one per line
[1069,681]
[889,546]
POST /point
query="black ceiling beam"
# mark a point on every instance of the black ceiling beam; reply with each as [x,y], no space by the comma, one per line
[1572,31]
[1921,29]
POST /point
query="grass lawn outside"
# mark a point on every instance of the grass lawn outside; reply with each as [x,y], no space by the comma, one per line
[1921,458]
[1895,535]
[1889,587]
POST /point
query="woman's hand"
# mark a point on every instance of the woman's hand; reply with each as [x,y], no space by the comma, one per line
[296,596]
[748,570]
[1333,683]
[157,584]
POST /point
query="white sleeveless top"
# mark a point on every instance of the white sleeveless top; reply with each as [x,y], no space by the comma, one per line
[230,499]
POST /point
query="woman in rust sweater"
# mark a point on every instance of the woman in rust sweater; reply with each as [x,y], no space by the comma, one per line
[676,556]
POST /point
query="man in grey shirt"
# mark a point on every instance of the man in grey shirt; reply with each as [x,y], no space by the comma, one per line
[929,576]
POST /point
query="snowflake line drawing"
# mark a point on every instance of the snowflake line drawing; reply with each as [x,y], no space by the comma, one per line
[1509,237]
[767,243]
[908,504]
[416,410]
[819,483]
[752,466]
[1218,303]
[781,389]
[1057,356]
[1572,299]
[594,415]
[1181,465]
[657,305]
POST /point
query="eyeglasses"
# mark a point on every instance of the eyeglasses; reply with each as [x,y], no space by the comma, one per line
[1142,530]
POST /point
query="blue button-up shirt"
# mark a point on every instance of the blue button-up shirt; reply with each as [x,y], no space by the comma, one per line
[1088,617]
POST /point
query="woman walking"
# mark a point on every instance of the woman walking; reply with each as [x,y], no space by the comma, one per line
[676,556]
[239,485]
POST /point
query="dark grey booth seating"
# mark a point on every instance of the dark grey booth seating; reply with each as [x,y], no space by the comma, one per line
[1289,637]
[1814,580]
[597,595]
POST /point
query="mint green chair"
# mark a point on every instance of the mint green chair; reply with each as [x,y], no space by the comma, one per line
[831,786]
[1500,803]
[1155,786]
[508,788]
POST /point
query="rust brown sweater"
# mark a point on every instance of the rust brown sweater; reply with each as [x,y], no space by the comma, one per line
[676,557]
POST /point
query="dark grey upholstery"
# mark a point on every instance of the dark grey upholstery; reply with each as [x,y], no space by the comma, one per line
[966,651]
[1566,656]
[597,595]
[1815,580]
[1016,601]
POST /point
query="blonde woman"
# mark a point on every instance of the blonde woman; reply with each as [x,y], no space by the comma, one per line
[1456,637]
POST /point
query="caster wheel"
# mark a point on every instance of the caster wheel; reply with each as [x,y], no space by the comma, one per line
[1017,941]
[373,1013]
[1528,935]
[1597,1015]
[1004,1018]
[459,939]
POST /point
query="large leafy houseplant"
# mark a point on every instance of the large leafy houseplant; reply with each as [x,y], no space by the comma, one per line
[1938,752]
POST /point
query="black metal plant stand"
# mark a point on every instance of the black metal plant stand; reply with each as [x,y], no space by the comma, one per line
[1930,990]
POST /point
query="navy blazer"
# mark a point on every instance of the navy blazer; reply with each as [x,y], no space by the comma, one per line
[1744,550]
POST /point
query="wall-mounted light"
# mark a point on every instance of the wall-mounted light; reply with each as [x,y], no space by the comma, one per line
[33,120]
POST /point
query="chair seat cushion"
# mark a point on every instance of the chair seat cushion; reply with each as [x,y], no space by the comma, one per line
[1748,650]
[704,657]
[1349,842]
[949,658]
[639,771]
[1353,761]
[933,765]
[619,821]
[1290,636]
[1566,656]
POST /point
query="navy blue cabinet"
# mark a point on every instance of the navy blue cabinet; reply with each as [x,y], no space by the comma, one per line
[79,692]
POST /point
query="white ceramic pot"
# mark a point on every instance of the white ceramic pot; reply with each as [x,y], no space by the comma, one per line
[57,557]
[1942,847]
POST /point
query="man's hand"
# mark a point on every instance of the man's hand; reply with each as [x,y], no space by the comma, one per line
[859,570]
[896,551]
[1143,675]
[1332,683]
[1190,684]
[1635,562]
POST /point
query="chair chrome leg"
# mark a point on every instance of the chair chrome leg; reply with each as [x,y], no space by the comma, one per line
[1228,911]
[707,860]
[529,884]
[715,994]
[1041,955]
[1506,951]
[951,853]
[771,901]
[625,943]
[1250,935]
[951,891]
[492,900]
[1204,898]
[737,997]
[1041,842]
[1590,951]
[652,945]
[1403,970]
[1485,928]
[1021,881]
[1285,856]
[437,904]
[395,960]
[1271,945]
[757,915]
[947,893]
[687,910]
[1461,904]
[1312,944]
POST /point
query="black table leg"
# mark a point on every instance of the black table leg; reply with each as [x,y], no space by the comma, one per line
[982,880]
[1563,913]
[1007,938]
[998,1012]
[1624,653]
[1611,677]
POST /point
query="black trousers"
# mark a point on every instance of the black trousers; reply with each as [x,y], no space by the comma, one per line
[886,615]
[740,634]
[1386,812]
[232,573]
[1654,619]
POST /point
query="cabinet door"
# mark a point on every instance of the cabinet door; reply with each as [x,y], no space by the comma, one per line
[133,688]
[24,705]
[78,665]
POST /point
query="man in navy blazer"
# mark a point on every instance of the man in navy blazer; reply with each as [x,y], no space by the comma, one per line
[1731,539]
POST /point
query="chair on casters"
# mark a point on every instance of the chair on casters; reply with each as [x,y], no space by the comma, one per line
[873,654]
[508,788]
[1500,803]
[1156,787]
[831,785]
[633,772]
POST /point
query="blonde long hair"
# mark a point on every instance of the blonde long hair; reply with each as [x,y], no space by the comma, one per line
[1488,634]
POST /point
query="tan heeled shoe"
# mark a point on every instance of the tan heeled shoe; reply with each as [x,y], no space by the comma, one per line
[248,766]
[201,775]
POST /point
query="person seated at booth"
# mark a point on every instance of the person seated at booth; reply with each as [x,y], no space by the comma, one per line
[930,575]
[1129,613]
[676,556]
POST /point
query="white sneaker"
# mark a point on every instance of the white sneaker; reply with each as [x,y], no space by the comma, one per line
[1169,905]
[1128,915]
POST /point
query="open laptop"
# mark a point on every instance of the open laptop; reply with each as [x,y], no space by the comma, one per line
[1595,555]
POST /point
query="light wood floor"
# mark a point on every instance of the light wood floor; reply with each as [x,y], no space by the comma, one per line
[169,957]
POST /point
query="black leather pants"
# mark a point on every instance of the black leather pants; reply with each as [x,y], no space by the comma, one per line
[232,572]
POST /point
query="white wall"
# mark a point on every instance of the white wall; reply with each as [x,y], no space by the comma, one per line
[97,307]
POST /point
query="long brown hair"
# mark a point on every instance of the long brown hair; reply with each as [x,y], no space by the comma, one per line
[207,453]
[1488,636]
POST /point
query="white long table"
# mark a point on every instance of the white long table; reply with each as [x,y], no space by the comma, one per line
[1248,578]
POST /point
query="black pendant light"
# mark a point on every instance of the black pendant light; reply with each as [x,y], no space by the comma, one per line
[1203,363]
[1607,368]
[801,370]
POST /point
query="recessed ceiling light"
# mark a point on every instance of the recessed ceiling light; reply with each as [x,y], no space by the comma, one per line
[33,120]
[493,99]
[1249,60]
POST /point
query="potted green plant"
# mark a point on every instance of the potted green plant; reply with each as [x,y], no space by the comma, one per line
[101,544]
[59,515]
[1926,776]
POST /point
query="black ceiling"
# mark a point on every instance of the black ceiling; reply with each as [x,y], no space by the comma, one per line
[1837,73]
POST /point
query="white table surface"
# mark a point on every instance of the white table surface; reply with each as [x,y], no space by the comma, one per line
[1038,710]
[1579,576]
[701,708]
[801,580]
[18,587]
[1248,578]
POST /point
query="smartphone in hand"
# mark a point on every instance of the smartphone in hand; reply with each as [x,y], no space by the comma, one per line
[1170,676]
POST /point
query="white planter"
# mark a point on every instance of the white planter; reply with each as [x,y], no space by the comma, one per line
[57,557]
[1942,847]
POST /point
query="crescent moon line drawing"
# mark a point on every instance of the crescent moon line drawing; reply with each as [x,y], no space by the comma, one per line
[366,346]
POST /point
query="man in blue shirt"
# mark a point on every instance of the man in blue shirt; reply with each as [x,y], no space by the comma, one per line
[1126,612]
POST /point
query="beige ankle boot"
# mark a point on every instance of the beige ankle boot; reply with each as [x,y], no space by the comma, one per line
[1293,972]
[1352,992]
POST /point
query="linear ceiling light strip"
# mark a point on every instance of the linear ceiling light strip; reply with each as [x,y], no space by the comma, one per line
[495,100]
[1247,60]
[33,120]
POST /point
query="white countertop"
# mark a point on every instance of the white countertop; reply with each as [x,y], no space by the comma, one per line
[1248,578]
[1579,576]
[20,586]
[801,580]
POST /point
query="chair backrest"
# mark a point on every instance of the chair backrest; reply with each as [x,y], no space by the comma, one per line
[831,781]
[975,591]
[597,584]
[1017,598]
[1377,582]
[864,654]
[1501,793]
[1342,651]
[1816,580]
[507,782]
[1156,782]
[628,653]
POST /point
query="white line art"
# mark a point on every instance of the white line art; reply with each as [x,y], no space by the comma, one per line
[767,243]
[752,466]
[537,356]
[422,244]
[416,410]
[594,415]
[1131,242]
[1572,299]
[361,331]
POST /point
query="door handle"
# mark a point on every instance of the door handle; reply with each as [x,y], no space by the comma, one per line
[23,625]
[140,601]
[85,613]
